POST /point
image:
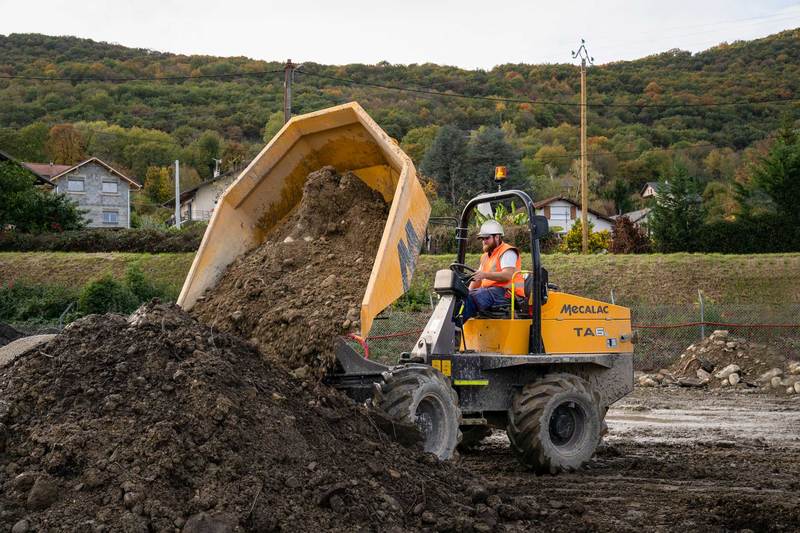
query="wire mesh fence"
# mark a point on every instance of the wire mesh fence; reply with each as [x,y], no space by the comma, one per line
[663,331]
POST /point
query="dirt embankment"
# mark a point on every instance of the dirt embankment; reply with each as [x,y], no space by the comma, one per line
[304,285]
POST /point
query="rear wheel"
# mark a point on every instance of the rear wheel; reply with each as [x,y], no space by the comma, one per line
[420,395]
[554,423]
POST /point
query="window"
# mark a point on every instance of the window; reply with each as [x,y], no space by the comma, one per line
[110,217]
[110,187]
[75,185]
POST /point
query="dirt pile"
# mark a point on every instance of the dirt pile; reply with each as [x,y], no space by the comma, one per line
[8,334]
[723,360]
[159,423]
[303,286]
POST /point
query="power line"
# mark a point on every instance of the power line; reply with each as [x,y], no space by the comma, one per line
[147,78]
[435,92]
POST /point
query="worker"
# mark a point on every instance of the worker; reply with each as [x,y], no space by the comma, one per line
[491,284]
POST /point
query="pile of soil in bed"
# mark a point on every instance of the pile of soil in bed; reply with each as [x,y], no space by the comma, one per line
[159,423]
[302,287]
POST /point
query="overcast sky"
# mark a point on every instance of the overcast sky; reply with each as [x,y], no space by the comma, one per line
[466,33]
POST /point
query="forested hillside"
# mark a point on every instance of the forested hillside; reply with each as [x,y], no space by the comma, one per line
[711,113]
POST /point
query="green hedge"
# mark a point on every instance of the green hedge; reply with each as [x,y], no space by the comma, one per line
[105,240]
[443,240]
[764,234]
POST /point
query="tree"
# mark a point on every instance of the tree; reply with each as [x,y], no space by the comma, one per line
[417,142]
[273,125]
[487,149]
[65,145]
[158,185]
[628,238]
[29,209]
[678,214]
[778,175]
[444,163]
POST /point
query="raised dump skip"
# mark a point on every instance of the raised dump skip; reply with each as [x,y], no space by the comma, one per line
[343,137]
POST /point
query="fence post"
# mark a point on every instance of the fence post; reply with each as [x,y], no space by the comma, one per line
[702,315]
[612,298]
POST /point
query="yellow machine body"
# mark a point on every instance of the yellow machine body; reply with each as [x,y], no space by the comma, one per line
[570,325]
[346,138]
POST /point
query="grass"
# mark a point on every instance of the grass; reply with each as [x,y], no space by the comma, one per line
[635,279]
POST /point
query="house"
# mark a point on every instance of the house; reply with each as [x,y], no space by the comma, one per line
[100,190]
[650,189]
[638,217]
[198,203]
[41,180]
[563,212]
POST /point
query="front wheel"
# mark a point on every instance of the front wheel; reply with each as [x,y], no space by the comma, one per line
[420,395]
[554,423]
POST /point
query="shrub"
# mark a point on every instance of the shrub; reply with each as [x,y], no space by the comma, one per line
[628,238]
[106,295]
[105,240]
[26,302]
[599,241]
[139,285]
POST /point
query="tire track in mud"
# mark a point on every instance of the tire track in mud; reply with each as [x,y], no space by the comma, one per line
[692,473]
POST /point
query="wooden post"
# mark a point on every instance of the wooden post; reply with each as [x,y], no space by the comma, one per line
[584,176]
[177,194]
[287,90]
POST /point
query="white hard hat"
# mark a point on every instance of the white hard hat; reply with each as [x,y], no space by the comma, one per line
[491,227]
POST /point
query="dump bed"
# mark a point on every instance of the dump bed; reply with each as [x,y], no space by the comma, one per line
[346,138]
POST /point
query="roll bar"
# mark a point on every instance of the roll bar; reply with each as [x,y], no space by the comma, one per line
[462,234]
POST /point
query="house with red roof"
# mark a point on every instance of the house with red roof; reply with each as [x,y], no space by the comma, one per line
[99,189]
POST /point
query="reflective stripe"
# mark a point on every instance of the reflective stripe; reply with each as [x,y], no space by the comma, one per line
[478,382]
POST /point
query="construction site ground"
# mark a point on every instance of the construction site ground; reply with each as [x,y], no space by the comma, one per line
[675,459]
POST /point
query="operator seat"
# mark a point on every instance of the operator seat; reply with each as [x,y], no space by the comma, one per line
[522,309]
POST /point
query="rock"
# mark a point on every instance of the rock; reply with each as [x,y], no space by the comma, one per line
[734,378]
[794,368]
[428,518]
[288,240]
[236,316]
[720,334]
[775,382]
[790,390]
[493,501]
[767,376]
[647,381]
[300,372]
[337,504]
[394,474]
[690,382]
[292,482]
[205,523]
[702,375]
[797,387]
[727,371]
[23,526]
[330,281]
[24,481]
[731,345]
[43,494]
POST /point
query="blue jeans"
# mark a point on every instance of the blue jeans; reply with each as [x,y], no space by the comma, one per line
[482,299]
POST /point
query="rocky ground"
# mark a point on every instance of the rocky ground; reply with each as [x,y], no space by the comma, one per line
[723,360]
[675,459]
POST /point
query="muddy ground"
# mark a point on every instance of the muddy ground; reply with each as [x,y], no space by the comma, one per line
[674,460]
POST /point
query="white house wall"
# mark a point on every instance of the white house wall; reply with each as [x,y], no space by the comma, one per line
[560,215]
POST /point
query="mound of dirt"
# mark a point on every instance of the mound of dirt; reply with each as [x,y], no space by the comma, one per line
[8,334]
[159,423]
[722,360]
[303,286]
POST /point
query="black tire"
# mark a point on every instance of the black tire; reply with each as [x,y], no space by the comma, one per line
[472,436]
[554,423]
[420,395]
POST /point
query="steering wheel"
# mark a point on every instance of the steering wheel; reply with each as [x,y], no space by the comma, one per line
[461,271]
[461,267]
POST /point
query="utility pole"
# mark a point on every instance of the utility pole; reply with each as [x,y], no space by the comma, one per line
[177,194]
[585,57]
[288,77]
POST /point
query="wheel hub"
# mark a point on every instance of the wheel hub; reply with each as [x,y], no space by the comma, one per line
[565,423]
[428,418]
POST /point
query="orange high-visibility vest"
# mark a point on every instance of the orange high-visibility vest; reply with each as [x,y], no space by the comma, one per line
[491,263]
